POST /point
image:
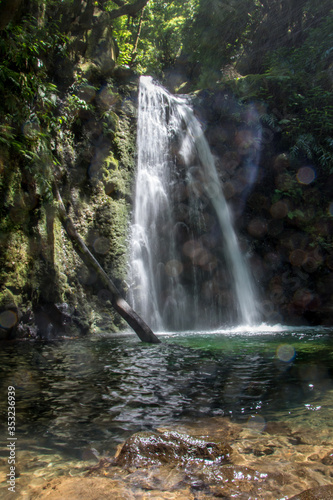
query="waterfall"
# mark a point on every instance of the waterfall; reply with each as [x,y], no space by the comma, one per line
[186,267]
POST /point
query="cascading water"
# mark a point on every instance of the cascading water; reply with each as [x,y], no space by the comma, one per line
[184,253]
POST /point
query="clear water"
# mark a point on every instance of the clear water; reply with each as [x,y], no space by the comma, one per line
[73,395]
[173,277]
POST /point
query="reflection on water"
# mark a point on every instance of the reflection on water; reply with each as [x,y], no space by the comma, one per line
[77,395]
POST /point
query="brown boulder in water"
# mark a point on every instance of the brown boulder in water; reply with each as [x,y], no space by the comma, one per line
[158,448]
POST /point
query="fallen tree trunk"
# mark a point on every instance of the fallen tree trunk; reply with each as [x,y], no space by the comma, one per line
[120,305]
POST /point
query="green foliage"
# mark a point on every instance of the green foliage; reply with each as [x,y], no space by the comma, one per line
[73,106]
[243,32]
[29,99]
[217,35]
[125,39]
[161,41]
[297,83]
[296,86]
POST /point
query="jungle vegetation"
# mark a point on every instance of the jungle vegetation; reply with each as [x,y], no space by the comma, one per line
[273,52]
[270,50]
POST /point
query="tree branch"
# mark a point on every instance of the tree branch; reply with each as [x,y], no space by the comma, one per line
[120,3]
[135,49]
[128,9]
[120,305]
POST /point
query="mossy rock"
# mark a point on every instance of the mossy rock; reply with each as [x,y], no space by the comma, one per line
[10,313]
[9,301]
[17,260]
[125,141]
[110,120]
[111,225]
[116,182]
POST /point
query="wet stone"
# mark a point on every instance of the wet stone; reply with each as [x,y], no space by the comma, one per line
[152,448]
[156,478]
[186,463]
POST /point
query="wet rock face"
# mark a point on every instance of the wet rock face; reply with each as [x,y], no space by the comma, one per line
[279,209]
[152,448]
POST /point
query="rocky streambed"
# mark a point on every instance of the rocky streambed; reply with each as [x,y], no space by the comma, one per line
[214,458]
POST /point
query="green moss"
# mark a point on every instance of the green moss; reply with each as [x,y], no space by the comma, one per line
[116,182]
[64,262]
[125,141]
[11,184]
[110,121]
[107,236]
[8,300]
[15,273]
[119,223]
[111,163]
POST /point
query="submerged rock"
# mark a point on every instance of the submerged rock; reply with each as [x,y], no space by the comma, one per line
[195,462]
[318,493]
[153,448]
[88,489]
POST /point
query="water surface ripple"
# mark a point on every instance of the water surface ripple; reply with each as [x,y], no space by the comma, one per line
[74,394]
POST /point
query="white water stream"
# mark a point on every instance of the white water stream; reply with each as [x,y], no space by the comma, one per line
[164,289]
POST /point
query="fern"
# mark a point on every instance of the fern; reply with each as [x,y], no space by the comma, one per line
[304,144]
